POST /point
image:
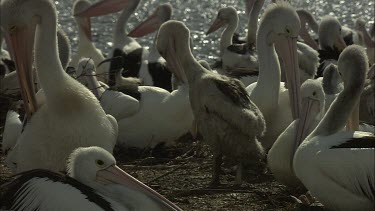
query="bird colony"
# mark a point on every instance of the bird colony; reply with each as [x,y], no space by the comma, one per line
[293,97]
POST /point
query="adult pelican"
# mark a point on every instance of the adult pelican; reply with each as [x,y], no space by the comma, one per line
[157,67]
[225,116]
[71,116]
[234,57]
[135,55]
[280,156]
[94,182]
[86,48]
[342,163]
[278,28]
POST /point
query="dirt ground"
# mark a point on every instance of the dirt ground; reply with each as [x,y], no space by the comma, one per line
[182,173]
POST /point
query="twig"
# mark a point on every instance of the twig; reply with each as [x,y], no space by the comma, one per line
[167,173]
[204,191]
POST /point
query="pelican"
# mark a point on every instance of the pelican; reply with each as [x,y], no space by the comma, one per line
[279,27]
[135,55]
[308,20]
[94,182]
[337,166]
[161,76]
[71,116]
[225,116]
[156,105]
[234,57]
[332,84]
[280,156]
[86,47]
[369,43]
[113,102]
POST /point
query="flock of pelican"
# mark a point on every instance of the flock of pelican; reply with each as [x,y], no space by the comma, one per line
[300,101]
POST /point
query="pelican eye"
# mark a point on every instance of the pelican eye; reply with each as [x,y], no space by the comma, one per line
[99,162]
[287,30]
[314,93]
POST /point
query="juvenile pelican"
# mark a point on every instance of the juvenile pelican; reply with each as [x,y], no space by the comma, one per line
[225,116]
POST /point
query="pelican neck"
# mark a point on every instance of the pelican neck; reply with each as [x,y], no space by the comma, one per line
[252,25]
[226,36]
[266,91]
[339,111]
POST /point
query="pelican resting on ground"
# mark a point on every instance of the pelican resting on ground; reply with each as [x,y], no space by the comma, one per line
[234,56]
[115,103]
[338,167]
[71,116]
[279,27]
[280,156]
[94,182]
[225,116]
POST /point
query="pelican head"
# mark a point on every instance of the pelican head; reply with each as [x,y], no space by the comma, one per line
[353,66]
[313,109]
[105,7]
[84,23]
[174,40]
[97,167]
[162,14]
[332,83]
[330,33]
[224,17]
[280,26]
[18,22]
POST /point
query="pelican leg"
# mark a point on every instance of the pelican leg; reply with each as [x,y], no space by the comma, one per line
[218,160]
[239,174]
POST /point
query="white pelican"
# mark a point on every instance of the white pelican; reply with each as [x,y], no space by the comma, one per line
[115,103]
[225,116]
[280,156]
[234,57]
[71,116]
[86,48]
[332,84]
[94,182]
[279,27]
[135,56]
[157,67]
[336,166]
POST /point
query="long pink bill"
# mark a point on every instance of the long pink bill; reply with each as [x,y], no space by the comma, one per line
[174,63]
[218,23]
[311,108]
[287,50]
[103,7]
[21,42]
[150,25]
[115,175]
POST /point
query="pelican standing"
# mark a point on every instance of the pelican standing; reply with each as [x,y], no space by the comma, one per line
[94,182]
[279,27]
[336,166]
[225,116]
[71,116]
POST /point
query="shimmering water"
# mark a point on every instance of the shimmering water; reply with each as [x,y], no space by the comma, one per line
[199,14]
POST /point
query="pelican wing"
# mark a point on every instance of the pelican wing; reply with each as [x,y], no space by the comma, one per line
[45,190]
[234,106]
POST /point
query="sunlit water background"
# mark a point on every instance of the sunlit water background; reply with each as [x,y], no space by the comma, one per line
[199,14]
